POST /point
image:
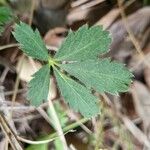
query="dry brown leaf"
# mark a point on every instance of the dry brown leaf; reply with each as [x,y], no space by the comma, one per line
[75,15]
[53,38]
[147,76]
[122,48]
[27,70]
[141,97]
[109,18]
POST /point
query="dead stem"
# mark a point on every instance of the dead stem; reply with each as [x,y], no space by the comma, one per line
[136,132]
[9,134]
[8,46]
[131,35]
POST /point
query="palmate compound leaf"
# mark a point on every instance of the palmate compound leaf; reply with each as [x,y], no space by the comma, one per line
[30,41]
[39,86]
[5,17]
[102,75]
[85,43]
[78,97]
[83,47]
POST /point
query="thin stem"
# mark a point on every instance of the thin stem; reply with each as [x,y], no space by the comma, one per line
[17,84]
[31,12]
[42,141]
[8,46]
[53,136]
[100,131]
[52,62]
[3,47]
[130,33]
[11,136]
[57,123]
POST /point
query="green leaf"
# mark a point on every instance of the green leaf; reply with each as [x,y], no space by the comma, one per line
[103,75]
[30,41]
[78,97]
[5,17]
[39,86]
[3,2]
[86,43]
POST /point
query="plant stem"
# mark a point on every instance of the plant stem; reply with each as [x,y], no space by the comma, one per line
[8,46]
[53,136]
[57,123]
[100,131]
[11,136]
[16,84]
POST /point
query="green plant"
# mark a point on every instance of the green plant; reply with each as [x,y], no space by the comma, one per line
[146,2]
[76,67]
[5,17]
